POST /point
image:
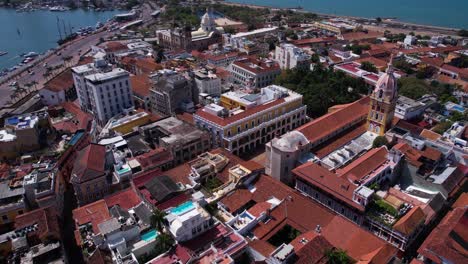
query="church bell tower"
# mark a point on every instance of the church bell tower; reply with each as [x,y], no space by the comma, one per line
[383,102]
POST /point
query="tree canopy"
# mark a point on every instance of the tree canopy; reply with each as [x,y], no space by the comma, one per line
[379,142]
[322,88]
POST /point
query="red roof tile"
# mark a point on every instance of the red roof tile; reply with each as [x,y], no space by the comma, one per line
[352,36]
[63,81]
[114,46]
[447,242]
[314,251]
[46,220]
[231,119]
[335,143]
[323,126]
[329,182]
[141,85]
[154,158]
[126,199]
[365,164]
[410,221]
[94,213]
[90,163]
[359,244]
[260,65]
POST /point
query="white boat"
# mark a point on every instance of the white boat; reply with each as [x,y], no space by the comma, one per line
[31,54]
[3,53]
[58,8]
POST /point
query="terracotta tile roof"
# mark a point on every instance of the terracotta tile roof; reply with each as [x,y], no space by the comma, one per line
[410,221]
[412,155]
[431,153]
[126,199]
[334,143]
[154,158]
[415,50]
[90,163]
[364,165]
[447,49]
[329,182]
[235,200]
[435,62]
[259,208]
[463,72]
[302,213]
[94,213]
[405,125]
[362,35]
[141,85]
[309,41]
[114,46]
[429,134]
[447,79]
[147,65]
[46,220]
[314,251]
[380,64]
[187,117]
[262,247]
[231,119]
[80,121]
[358,243]
[325,125]
[447,242]
[261,66]
[462,201]
[63,81]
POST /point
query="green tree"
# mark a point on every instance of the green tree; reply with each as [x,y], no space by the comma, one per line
[368,66]
[163,244]
[442,127]
[337,256]
[404,66]
[378,19]
[379,142]
[463,33]
[158,220]
[413,88]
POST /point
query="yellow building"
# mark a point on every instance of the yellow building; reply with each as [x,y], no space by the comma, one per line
[126,124]
[243,121]
[383,103]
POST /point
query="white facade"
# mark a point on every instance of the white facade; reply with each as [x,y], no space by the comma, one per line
[101,91]
[50,98]
[208,83]
[190,223]
[110,93]
[289,56]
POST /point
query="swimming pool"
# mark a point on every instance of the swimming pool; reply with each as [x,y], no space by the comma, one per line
[182,208]
[150,235]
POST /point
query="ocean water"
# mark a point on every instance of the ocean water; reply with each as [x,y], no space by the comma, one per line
[38,30]
[448,13]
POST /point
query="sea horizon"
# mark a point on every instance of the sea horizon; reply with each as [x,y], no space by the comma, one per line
[450,13]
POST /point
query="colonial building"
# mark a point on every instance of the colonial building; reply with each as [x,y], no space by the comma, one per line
[91,178]
[206,35]
[383,102]
[244,121]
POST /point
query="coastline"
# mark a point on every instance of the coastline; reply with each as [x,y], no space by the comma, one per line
[398,25]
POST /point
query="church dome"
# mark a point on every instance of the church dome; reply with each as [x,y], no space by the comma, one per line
[207,21]
[386,86]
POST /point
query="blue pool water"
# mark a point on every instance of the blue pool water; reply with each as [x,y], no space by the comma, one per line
[150,235]
[182,208]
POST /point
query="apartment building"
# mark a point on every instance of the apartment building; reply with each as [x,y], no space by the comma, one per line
[243,121]
[254,73]
[289,56]
[102,91]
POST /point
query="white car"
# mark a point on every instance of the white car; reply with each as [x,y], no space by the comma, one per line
[13,83]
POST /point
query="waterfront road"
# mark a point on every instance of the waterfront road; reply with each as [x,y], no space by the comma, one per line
[72,49]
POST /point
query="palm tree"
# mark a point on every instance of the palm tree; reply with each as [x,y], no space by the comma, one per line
[34,84]
[164,243]
[157,220]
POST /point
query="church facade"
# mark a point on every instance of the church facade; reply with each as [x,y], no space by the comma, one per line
[182,38]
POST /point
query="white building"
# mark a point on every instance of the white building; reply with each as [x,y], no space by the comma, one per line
[208,83]
[103,92]
[410,40]
[254,73]
[407,108]
[188,220]
[289,56]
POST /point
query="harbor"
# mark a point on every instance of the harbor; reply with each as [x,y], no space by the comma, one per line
[40,30]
